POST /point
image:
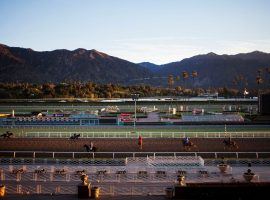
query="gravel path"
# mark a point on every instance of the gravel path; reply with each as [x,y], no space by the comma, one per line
[131,145]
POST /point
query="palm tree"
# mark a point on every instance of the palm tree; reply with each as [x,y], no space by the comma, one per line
[170,81]
[267,75]
[240,82]
[185,76]
[259,80]
[194,74]
[177,78]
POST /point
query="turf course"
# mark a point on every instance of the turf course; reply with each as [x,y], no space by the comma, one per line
[146,131]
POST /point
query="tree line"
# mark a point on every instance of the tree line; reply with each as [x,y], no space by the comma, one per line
[92,90]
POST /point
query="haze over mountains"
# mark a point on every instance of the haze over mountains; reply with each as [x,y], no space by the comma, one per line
[26,65]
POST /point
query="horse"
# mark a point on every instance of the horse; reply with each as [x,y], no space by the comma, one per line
[188,145]
[230,144]
[6,135]
[88,149]
[75,136]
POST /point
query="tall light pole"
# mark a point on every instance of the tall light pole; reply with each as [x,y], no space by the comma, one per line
[135,98]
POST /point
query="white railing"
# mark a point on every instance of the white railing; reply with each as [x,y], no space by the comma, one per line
[149,177]
[114,155]
[109,189]
[262,134]
[132,175]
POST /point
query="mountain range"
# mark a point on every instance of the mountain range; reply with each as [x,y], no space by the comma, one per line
[220,70]
[26,65]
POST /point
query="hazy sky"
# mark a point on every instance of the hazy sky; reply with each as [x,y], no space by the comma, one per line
[158,31]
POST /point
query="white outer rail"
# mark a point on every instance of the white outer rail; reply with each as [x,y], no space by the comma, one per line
[53,154]
[37,134]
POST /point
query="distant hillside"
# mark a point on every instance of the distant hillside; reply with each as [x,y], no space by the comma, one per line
[150,66]
[26,65]
[220,70]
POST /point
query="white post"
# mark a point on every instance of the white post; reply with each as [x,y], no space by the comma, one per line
[18,176]
[135,115]
[35,176]
[19,189]
[2,175]
[51,176]
[68,177]
[225,128]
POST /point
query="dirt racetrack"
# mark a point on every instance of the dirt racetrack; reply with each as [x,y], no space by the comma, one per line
[131,145]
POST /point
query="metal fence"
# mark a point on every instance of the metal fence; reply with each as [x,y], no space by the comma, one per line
[135,177]
[113,183]
[263,134]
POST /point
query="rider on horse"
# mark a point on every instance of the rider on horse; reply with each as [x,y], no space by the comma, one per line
[186,140]
[91,146]
[140,141]
[228,141]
